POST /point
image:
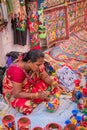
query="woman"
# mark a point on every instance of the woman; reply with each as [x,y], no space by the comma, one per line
[26,83]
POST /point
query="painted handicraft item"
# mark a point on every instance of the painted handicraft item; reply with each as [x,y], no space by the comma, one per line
[80,6]
[33,23]
[86,15]
[72,49]
[56,24]
[71,16]
[19,14]
[3,15]
[49,3]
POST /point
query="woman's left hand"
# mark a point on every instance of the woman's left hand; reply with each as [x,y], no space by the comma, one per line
[60,87]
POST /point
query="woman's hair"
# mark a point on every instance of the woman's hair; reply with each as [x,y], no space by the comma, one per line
[32,55]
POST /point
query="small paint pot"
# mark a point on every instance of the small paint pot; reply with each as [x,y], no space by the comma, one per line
[70,127]
[52,126]
[37,128]
[24,123]
[8,122]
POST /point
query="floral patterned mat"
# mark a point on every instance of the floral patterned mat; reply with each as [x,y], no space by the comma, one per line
[71,49]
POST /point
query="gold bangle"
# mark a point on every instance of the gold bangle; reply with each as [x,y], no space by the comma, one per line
[53,83]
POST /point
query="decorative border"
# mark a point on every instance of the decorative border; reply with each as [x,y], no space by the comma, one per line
[50,3]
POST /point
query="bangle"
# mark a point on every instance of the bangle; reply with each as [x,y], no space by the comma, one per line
[53,83]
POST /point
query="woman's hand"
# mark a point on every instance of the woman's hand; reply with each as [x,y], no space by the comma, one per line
[43,95]
[60,87]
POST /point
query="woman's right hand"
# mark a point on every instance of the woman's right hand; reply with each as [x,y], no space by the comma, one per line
[43,95]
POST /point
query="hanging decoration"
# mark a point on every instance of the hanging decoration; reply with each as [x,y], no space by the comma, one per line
[33,24]
[19,14]
[3,14]
[79,25]
[72,16]
[19,22]
[49,3]
[85,20]
[41,29]
[56,24]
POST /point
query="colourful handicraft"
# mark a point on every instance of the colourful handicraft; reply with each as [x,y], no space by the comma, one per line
[56,24]
[86,15]
[33,23]
[50,3]
[3,15]
[76,16]
[19,13]
[71,16]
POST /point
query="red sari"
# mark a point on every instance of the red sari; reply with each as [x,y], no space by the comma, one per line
[33,84]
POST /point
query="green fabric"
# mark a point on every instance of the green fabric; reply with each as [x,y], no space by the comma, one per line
[9,6]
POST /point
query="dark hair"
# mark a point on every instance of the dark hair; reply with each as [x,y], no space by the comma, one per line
[32,55]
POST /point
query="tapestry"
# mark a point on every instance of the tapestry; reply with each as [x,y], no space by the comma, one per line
[19,14]
[71,16]
[79,25]
[85,15]
[33,23]
[56,24]
[82,35]
[72,49]
[50,3]
[3,15]
[76,16]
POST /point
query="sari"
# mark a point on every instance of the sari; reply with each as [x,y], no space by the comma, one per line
[32,84]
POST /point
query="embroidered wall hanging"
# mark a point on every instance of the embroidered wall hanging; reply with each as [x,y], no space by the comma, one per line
[79,25]
[56,24]
[71,16]
[76,16]
[85,19]
[50,3]
[33,23]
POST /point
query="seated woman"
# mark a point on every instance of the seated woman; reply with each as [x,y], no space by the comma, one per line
[26,83]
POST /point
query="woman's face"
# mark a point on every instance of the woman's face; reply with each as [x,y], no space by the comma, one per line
[36,65]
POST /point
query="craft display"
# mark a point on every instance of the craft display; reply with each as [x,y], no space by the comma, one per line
[24,123]
[72,16]
[82,35]
[33,24]
[76,121]
[41,28]
[85,11]
[56,24]
[50,3]
[8,122]
[19,13]
[82,102]
[79,25]
[70,49]
[3,15]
